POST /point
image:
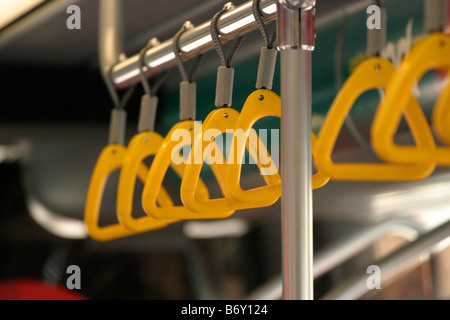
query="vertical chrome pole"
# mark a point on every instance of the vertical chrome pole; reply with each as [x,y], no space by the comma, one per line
[296,41]
[110,37]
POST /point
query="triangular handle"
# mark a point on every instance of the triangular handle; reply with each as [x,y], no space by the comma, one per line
[371,74]
[429,53]
[109,161]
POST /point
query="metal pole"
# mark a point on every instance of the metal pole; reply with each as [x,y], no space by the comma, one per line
[238,21]
[296,159]
[110,37]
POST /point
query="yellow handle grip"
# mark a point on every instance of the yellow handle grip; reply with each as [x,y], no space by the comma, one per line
[217,123]
[371,74]
[432,52]
[261,103]
[141,146]
[110,160]
[167,155]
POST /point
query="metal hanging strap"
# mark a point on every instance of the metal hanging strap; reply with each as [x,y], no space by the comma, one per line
[268,54]
[188,88]
[376,38]
[118,118]
[225,73]
[258,14]
[149,100]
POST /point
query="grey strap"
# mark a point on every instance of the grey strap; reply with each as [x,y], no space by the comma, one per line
[117,126]
[119,103]
[376,38]
[118,117]
[188,88]
[149,101]
[225,73]
[268,56]
[226,60]
[177,50]
[147,115]
[160,81]
[435,15]
[266,68]
[143,68]
[258,14]
[224,87]
[188,100]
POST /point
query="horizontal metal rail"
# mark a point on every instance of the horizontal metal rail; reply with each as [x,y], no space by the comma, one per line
[337,253]
[400,261]
[240,21]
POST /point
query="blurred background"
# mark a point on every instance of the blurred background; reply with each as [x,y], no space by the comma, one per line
[54,123]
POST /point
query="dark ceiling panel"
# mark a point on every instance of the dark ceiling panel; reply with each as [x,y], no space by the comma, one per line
[52,44]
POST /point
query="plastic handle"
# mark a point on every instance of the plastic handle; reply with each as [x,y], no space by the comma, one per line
[260,104]
[181,135]
[141,146]
[218,122]
[370,74]
[432,52]
[441,116]
[110,160]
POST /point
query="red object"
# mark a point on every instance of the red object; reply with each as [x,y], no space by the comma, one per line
[30,289]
